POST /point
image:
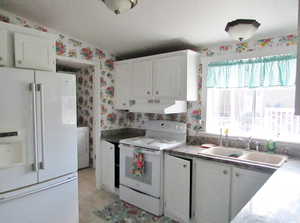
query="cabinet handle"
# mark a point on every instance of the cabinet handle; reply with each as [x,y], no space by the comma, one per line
[184,166]
[237,174]
[150,101]
[157,92]
[225,172]
[157,101]
[110,147]
[124,104]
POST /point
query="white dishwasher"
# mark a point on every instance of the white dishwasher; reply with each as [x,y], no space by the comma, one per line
[83,147]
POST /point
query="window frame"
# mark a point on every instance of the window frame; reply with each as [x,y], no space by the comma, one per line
[205,61]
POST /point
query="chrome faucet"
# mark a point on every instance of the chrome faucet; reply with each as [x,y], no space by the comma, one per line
[249,143]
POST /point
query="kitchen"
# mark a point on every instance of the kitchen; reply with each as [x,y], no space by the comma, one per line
[174,127]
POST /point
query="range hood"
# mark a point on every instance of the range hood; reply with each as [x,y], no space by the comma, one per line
[160,108]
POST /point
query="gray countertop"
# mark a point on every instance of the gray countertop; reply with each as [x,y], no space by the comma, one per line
[278,201]
[114,136]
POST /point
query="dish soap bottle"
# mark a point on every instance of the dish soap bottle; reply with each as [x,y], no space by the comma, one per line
[271,146]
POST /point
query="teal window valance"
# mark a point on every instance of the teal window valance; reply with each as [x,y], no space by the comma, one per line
[251,73]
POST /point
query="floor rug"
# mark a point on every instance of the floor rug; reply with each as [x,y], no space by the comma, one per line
[122,212]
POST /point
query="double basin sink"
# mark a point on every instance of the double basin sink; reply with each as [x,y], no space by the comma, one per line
[254,157]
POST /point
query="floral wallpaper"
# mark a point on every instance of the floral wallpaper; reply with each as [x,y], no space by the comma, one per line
[111,118]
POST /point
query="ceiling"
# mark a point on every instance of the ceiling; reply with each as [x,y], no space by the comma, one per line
[156,24]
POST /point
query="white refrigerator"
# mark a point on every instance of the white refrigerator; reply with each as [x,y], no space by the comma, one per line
[38,153]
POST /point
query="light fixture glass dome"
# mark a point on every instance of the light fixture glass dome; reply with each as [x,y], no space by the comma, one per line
[242,29]
[119,6]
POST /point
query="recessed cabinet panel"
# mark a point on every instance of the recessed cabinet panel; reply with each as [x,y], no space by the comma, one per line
[245,183]
[212,192]
[168,77]
[177,195]
[108,166]
[142,80]
[3,48]
[123,75]
[34,52]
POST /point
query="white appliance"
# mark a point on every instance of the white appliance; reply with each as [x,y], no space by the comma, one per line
[146,191]
[83,147]
[38,157]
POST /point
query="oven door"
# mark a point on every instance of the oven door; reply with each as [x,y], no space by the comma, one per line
[149,182]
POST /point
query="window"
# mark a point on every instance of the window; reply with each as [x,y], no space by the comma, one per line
[253,98]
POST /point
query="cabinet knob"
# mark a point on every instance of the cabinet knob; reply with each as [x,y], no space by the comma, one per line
[1,58]
[150,101]
[148,92]
[237,174]
[225,172]
[19,61]
[184,165]
[124,104]
[157,101]
[157,92]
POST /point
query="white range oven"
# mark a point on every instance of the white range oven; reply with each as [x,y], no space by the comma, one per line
[146,190]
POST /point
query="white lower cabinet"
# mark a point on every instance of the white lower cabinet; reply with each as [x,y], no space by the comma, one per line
[177,188]
[212,192]
[245,183]
[108,166]
[222,190]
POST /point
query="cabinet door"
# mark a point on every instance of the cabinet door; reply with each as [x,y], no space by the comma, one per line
[245,183]
[212,192]
[3,48]
[57,124]
[34,52]
[83,147]
[177,195]
[17,152]
[142,80]
[123,79]
[168,77]
[108,166]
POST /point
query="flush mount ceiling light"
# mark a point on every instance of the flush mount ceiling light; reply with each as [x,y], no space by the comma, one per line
[242,29]
[119,6]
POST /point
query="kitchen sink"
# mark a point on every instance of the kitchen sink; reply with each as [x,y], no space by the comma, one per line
[224,152]
[273,160]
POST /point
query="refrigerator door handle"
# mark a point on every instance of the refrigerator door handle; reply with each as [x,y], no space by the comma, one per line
[17,196]
[41,90]
[32,87]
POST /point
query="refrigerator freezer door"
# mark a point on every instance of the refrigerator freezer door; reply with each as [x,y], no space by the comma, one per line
[54,201]
[17,149]
[57,124]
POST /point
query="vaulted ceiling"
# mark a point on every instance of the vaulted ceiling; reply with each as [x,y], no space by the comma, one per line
[156,24]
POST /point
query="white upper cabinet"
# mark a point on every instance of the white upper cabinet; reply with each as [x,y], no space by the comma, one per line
[123,73]
[168,78]
[161,83]
[245,183]
[4,57]
[34,52]
[141,85]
